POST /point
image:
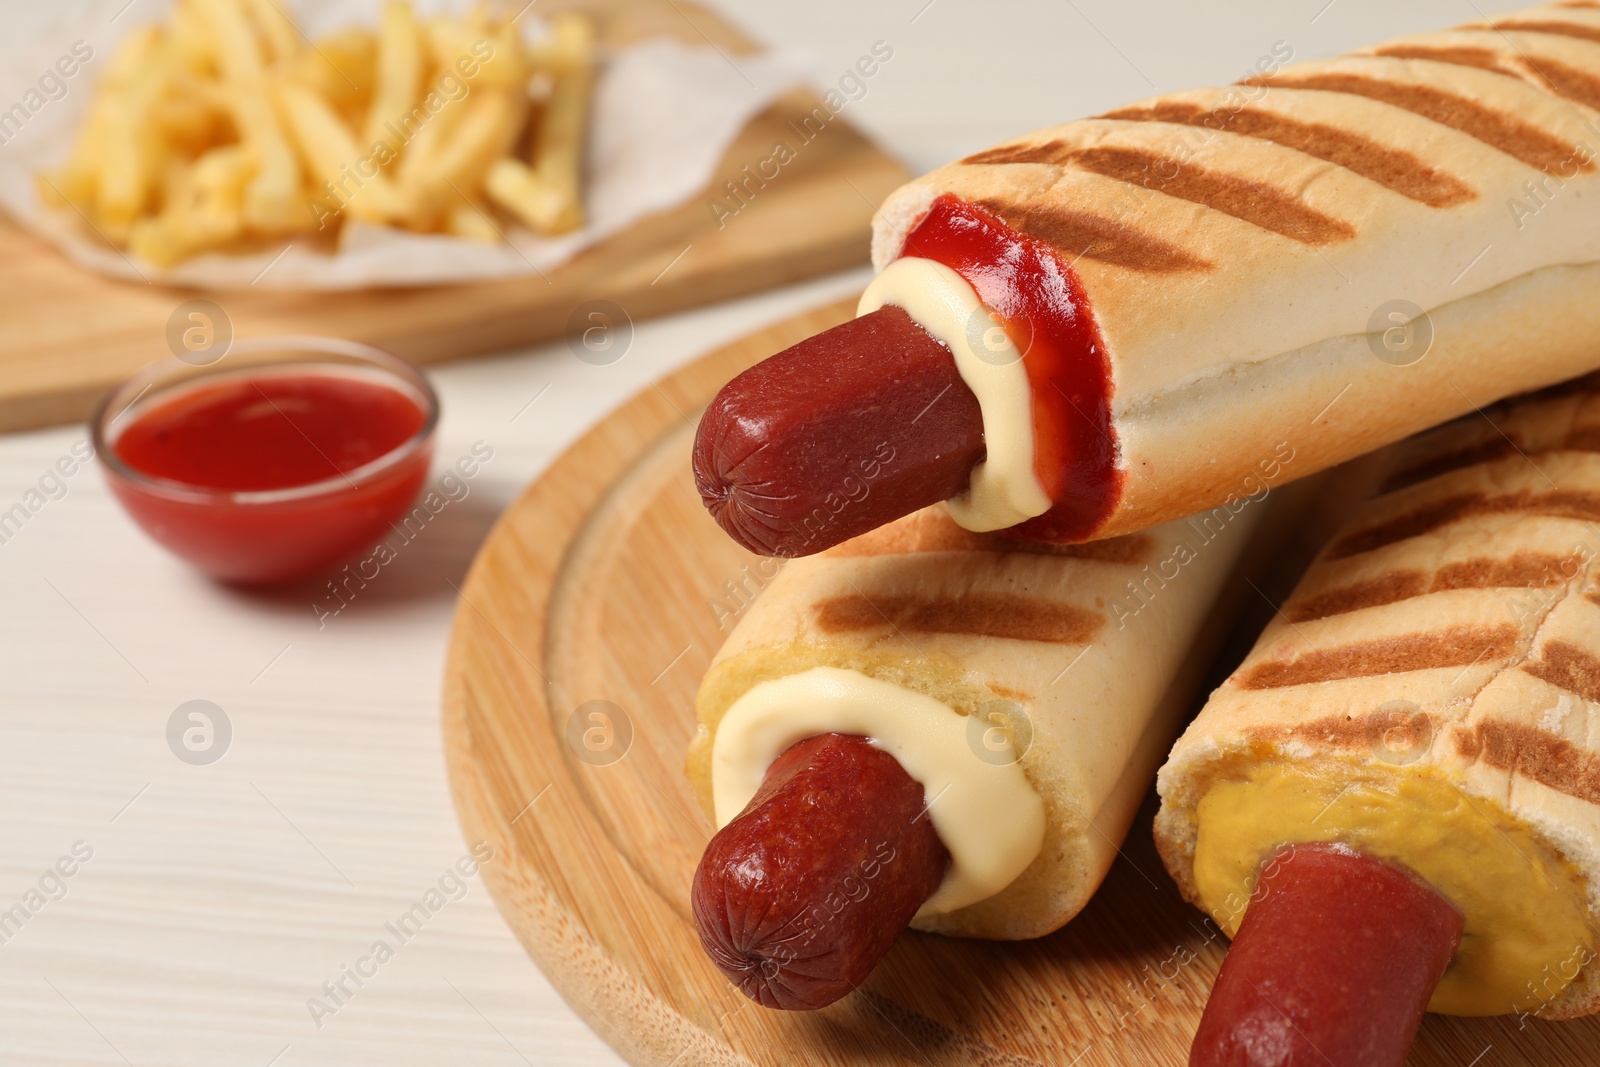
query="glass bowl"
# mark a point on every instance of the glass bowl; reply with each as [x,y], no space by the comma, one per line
[269,535]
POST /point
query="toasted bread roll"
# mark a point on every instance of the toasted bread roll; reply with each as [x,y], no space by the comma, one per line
[1337,253]
[1030,689]
[1428,696]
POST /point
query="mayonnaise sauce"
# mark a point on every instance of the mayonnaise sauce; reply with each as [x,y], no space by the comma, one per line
[985,810]
[1004,489]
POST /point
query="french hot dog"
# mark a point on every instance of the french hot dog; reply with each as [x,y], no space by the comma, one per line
[1338,253]
[1424,700]
[1017,697]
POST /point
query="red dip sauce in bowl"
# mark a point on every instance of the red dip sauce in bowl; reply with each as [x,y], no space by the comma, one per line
[281,460]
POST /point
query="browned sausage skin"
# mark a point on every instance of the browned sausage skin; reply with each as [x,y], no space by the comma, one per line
[836,436]
[1333,965]
[798,897]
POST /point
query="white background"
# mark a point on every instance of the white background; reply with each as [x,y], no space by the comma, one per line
[219,898]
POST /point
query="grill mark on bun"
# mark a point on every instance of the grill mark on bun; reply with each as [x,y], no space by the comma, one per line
[1482,58]
[1046,152]
[1080,233]
[1524,570]
[933,530]
[1249,201]
[1567,666]
[1560,503]
[1130,549]
[1547,74]
[1533,753]
[1533,146]
[1570,82]
[1458,646]
[1483,452]
[1384,589]
[1551,26]
[1396,170]
[1424,520]
[1391,727]
[1014,618]
[1578,439]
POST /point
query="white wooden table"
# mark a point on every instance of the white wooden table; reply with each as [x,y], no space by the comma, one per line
[219,898]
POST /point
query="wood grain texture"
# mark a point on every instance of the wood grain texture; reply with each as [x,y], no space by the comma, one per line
[71,335]
[600,584]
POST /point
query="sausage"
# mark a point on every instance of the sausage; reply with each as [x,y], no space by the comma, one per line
[836,436]
[1332,967]
[798,898]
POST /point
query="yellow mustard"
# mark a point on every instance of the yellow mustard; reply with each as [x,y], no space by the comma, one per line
[1525,935]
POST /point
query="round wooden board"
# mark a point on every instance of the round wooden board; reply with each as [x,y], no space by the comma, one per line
[603,583]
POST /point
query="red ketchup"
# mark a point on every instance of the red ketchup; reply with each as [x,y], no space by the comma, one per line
[270,475]
[1044,311]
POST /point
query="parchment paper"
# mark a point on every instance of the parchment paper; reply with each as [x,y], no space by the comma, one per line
[664,115]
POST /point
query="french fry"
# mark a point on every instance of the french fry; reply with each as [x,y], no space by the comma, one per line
[547,196]
[416,173]
[519,189]
[449,39]
[167,240]
[192,115]
[558,148]
[219,183]
[272,199]
[353,52]
[221,174]
[130,159]
[568,47]
[277,33]
[509,67]
[191,40]
[511,184]
[487,131]
[201,211]
[130,57]
[473,51]
[341,69]
[153,240]
[212,217]
[331,150]
[471,220]
[400,54]
[77,181]
[234,40]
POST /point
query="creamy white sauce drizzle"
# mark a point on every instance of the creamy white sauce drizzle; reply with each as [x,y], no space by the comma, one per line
[985,810]
[1004,489]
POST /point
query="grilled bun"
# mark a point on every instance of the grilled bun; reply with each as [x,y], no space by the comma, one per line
[1100,647]
[1244,249]
[1466,587]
